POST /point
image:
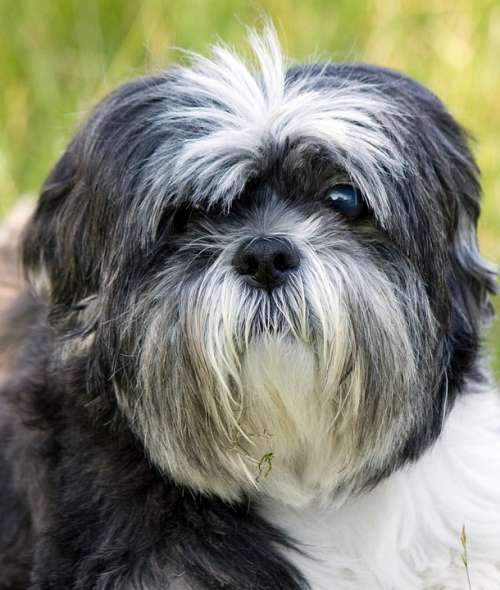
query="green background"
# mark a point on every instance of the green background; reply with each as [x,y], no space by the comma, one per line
[57,57]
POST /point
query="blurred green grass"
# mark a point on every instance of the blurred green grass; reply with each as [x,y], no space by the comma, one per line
[59,56]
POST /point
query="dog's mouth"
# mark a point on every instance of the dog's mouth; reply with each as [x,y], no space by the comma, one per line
[273,314]
[264,326]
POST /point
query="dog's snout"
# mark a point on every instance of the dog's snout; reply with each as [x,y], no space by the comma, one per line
[266,262]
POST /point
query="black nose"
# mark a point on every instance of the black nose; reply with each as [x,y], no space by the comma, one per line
[266,262]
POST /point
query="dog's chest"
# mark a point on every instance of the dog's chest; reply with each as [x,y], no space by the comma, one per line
[406,533]
[365,548]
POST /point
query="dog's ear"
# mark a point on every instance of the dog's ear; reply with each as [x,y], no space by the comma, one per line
[56,234]
[471,282]
[41,256]
[71,241]
[475,276]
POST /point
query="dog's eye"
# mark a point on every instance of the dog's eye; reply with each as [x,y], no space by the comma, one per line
[347,200]
[174,221]
[180,219]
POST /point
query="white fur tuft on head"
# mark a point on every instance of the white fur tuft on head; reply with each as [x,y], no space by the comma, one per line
[232,114]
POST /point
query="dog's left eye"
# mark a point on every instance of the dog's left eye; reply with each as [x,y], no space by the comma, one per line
[347,200]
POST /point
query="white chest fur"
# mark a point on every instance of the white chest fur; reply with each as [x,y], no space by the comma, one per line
[405,534]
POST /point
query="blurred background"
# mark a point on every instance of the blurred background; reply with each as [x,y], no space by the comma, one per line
[58,57]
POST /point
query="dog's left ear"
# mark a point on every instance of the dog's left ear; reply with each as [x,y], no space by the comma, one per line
[471,281]
[474,276]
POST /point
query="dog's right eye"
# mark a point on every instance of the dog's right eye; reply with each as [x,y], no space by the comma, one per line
[174,221]
[180,219]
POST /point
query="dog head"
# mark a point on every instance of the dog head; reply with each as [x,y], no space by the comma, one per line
[274,270]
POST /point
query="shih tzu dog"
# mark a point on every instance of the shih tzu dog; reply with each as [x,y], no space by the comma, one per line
[249,357]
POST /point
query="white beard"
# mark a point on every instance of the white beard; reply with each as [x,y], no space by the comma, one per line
[406,533]
[301,429]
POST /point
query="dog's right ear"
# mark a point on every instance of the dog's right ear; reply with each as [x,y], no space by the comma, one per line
[55,233]
[70,245]
[40,255]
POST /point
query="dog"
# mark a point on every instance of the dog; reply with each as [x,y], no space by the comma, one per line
[248,355]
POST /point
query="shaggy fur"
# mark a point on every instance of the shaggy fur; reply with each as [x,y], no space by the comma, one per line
[168,423]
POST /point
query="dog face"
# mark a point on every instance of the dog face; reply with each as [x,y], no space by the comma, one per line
[272,273]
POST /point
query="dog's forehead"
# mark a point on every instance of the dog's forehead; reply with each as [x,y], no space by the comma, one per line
[229,121]
[200,133]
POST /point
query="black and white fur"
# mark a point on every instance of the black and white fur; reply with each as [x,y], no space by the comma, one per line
[168,425]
